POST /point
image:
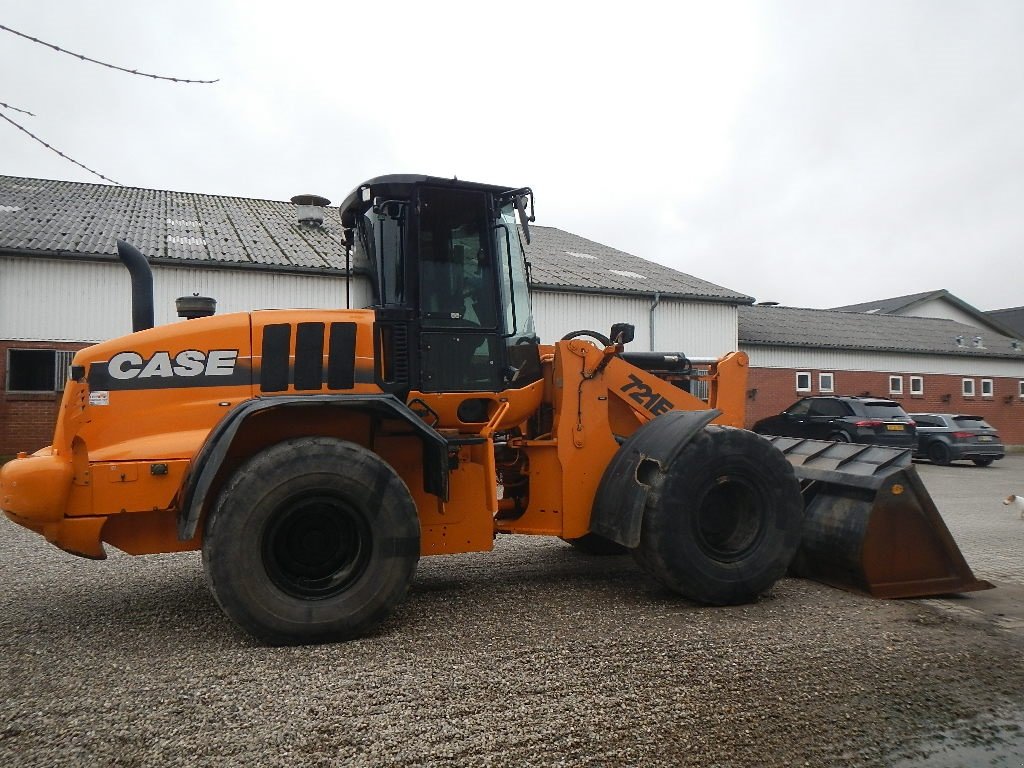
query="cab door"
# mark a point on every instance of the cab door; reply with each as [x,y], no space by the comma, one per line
[461,343]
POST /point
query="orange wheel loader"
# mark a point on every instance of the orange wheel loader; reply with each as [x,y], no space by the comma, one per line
[314,456]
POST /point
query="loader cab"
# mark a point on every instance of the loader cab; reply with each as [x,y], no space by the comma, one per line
[449,282]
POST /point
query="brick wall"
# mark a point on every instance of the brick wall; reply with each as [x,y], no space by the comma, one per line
[27,419]
[776,389]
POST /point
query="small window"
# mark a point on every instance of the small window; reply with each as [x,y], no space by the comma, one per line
[37,370]
[895,385]
[1020,389]
[917,385]
[968,389]
[826,382]
[803,381]
[986,388]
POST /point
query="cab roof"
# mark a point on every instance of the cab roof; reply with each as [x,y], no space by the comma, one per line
[401,185]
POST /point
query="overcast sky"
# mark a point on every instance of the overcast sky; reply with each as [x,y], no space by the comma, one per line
[811,153]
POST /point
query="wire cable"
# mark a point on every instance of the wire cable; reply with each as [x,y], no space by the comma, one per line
[16,109]
[103,63]
[57,151]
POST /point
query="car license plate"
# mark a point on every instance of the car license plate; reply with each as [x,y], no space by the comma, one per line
[894,427]
[984,438]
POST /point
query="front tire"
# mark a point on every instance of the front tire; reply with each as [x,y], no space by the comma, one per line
[724,521]
[312,540]
[983,461]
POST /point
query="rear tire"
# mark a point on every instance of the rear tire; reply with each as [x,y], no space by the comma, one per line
[983,461]
[312,540]
[723,523]
[840,437]
[592,544]
[938,453]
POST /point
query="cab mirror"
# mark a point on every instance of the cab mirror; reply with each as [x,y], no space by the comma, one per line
[622,333]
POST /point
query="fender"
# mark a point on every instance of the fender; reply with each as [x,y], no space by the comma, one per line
[210,457]
[633,471]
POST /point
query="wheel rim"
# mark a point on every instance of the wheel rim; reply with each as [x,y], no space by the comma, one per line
[315,547]
[729,519]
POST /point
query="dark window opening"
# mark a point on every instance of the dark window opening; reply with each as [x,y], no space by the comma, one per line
[456,268]
[37,370]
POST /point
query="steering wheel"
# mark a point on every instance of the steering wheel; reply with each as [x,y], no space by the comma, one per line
[592,334]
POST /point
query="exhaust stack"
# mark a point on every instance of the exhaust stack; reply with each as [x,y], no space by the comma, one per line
[142,285]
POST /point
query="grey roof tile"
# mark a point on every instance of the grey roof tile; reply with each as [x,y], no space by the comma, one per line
[76,219]
[891,305]
[1012,317]
[562,260]
[832,329]
[73,219]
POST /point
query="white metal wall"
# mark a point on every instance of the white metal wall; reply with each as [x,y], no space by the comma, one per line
[943,310]
[62,300]
[842,360]
[696,328]
[56,300]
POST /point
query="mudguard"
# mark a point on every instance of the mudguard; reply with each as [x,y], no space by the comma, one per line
[622,493]
[210,457]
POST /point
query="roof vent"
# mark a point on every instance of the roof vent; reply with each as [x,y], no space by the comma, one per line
[960,340]
[976,342]
[311,209]
[1015,345]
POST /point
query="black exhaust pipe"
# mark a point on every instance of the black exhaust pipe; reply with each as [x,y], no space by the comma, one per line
[142,285]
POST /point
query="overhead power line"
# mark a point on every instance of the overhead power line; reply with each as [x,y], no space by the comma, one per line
[57,151]
[101,63]
[16,109]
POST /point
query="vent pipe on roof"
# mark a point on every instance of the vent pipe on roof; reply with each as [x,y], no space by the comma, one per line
[310,209]
[142,285]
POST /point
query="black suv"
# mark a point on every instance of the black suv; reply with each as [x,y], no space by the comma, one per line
[946,437]
[844,419]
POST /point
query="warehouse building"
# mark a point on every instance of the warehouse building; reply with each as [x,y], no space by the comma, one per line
[62,287]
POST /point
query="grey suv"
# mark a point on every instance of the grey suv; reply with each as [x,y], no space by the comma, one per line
[846,419]
[946,437]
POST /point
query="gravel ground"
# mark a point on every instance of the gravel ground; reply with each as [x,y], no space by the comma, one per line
[531,655]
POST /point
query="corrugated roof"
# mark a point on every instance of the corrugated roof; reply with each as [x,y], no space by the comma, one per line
[892,305]
[83,220]
[832,329]
[563,261]
[1012,317]
[907,305]
[73,219]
